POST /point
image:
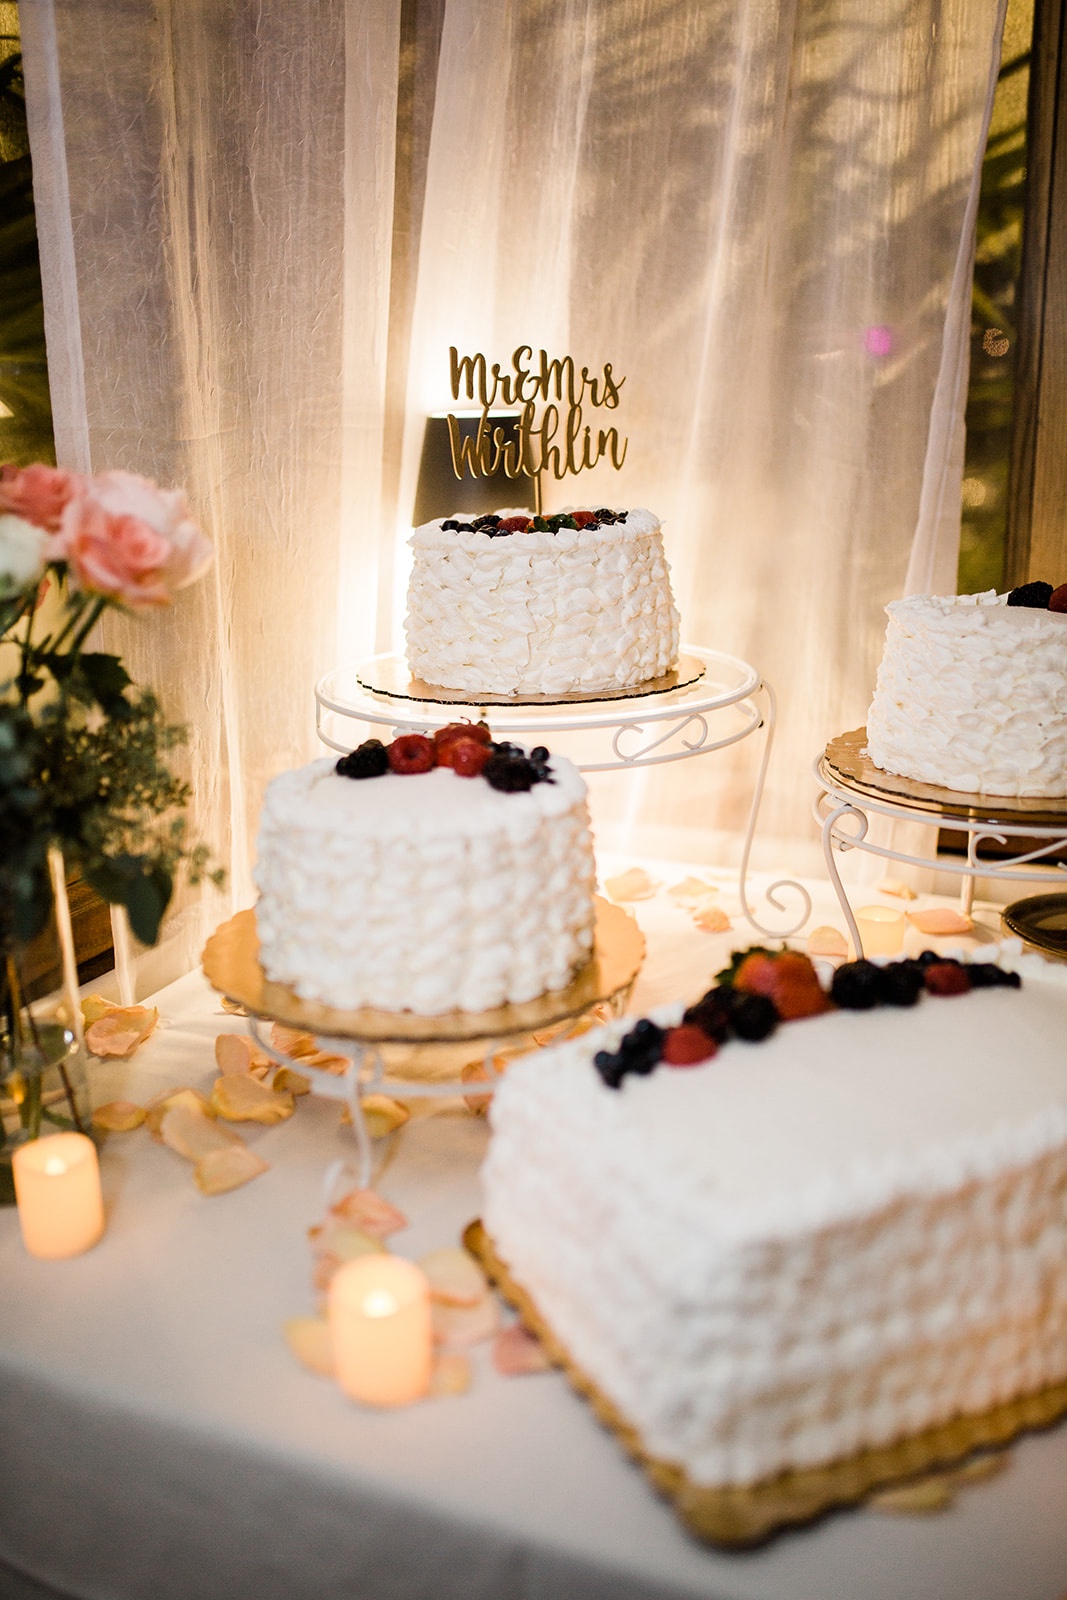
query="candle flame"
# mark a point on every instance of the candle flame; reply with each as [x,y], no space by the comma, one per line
[379,1303]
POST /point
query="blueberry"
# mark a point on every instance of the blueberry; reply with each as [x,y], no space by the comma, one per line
[855,986]
[754,1017]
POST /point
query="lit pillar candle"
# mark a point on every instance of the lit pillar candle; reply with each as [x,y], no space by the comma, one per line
[881,930]
[57,1187]
[380,1330]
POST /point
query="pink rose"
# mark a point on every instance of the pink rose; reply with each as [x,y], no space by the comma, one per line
[38,493]
[125,537]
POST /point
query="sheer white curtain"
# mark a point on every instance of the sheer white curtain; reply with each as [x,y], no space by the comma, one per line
[758,212]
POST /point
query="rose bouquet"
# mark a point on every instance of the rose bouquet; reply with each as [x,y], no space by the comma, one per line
[83,751]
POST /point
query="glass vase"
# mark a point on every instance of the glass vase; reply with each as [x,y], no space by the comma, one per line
[43,1079]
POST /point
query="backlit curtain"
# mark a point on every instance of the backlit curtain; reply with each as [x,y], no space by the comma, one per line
[759,213]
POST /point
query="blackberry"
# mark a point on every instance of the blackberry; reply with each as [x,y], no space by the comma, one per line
[1034,595]
[510,774]
[985,975]
[605,516]
[504,747]
[610,1068]
[899,984]
[368,760]
[539,753]
[855,986]
[489,520]
[754,1017]
[465,527]
[450,525]
[713,1013]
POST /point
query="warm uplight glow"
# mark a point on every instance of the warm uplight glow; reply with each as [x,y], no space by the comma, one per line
[881,930]
[57,1186]
[380,1330]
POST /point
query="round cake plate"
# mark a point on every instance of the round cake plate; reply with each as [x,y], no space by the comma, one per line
[1041,921]
[388,676]
[848,763]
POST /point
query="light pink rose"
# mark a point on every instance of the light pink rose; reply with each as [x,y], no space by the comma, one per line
[38,493]
[125,537]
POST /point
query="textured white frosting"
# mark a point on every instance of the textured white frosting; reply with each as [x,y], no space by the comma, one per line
[424,892]
[850,1232]
[972,694]
[541,613]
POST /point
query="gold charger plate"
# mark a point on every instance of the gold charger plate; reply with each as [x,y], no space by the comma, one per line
[736,1517]
[1040,920]
[389,676]
[231,965]
[848,761]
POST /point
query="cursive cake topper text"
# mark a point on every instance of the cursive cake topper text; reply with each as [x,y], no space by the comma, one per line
[557,441]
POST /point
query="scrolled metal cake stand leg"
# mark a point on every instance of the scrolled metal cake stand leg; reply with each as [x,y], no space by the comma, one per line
[770,894]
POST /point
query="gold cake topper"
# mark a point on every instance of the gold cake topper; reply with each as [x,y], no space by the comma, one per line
[557,441]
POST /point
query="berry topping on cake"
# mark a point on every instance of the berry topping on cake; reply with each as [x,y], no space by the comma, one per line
[687,1045]
[1034,595]
[753,1017]
[466,757]
[946,977]
[412,752]
[899,984]
[461,730]
[1057,600]
[986,975]
[856,987]
[368,760]
[489,521]
[511,773]
[788,978]
[513,524]
[584,519]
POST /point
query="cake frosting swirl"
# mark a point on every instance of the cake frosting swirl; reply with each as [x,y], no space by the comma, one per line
[971,695]
[572,610]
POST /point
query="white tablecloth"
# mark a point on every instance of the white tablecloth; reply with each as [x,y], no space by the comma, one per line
[159,1442]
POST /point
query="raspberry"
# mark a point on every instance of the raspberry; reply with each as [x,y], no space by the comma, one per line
[1057,600]
[946,977]
[513,524]
[1034,595]
[461,730]
[584,519]
[368,760]
[412,752]
[466,757]
[686,1045]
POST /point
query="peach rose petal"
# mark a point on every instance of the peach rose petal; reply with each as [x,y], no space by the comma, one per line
[234,1007]
[516,1353]
[455,1277]
[341,1240]
[222,1170]
[119,1116]
[897,888]
[368,1212]
[464,1325]
[94,1006]
[191,1133]
[383,1115]
[634,884]
[711,919]
[235,1053]
[309,1340]
[120,1031]
[157,1108]
[940,920]
[293,1082]
[450,1375]
[245,1100]
[827,941]
[692,890]
[305,1047]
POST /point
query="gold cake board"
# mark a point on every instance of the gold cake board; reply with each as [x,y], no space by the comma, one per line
[741,1516]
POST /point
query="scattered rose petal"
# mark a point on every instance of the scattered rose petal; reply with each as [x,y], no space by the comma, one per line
[120,1031]
[294,1082]
[450,1375]
[245,1100]
[118,1116]
[455,1277]
[516,1352]
[383,1115]
[157,1108]
[464,1325]
[634,884]
[940,920]
[191,1133]
[234,1007]
[827,941]
[222,1170]
[235,1053]
[368,1212]
[692,890]
[305,1047]
[309,1340]
[898,888]
[94,1006]
[712,919]
[341,1240]
[474,1072]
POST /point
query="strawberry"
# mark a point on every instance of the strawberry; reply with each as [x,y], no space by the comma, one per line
[412,752]
[789,979]
[1057,600]
[946,977]
[513,525]
[466,757]
[583,518]
[686,1045]
[461,730]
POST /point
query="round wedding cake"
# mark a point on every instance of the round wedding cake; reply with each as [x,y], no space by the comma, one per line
[971,693]
[509,604]
[432,875]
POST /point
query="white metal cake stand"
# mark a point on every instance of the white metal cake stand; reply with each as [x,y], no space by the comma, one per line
[852,790]
[712,701]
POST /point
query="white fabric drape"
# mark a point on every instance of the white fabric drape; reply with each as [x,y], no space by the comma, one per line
[756,211]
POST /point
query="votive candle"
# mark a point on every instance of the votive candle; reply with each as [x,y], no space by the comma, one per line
[57,1189]
[379,1313]
[881,930]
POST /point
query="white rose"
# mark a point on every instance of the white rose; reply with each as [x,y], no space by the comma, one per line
[22,554]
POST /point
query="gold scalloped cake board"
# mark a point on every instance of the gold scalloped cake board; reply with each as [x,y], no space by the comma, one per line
[735,1517]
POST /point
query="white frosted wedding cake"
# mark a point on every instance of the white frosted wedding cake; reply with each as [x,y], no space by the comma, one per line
[807,1247]
[506,604]
[430,876]
[972,694]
